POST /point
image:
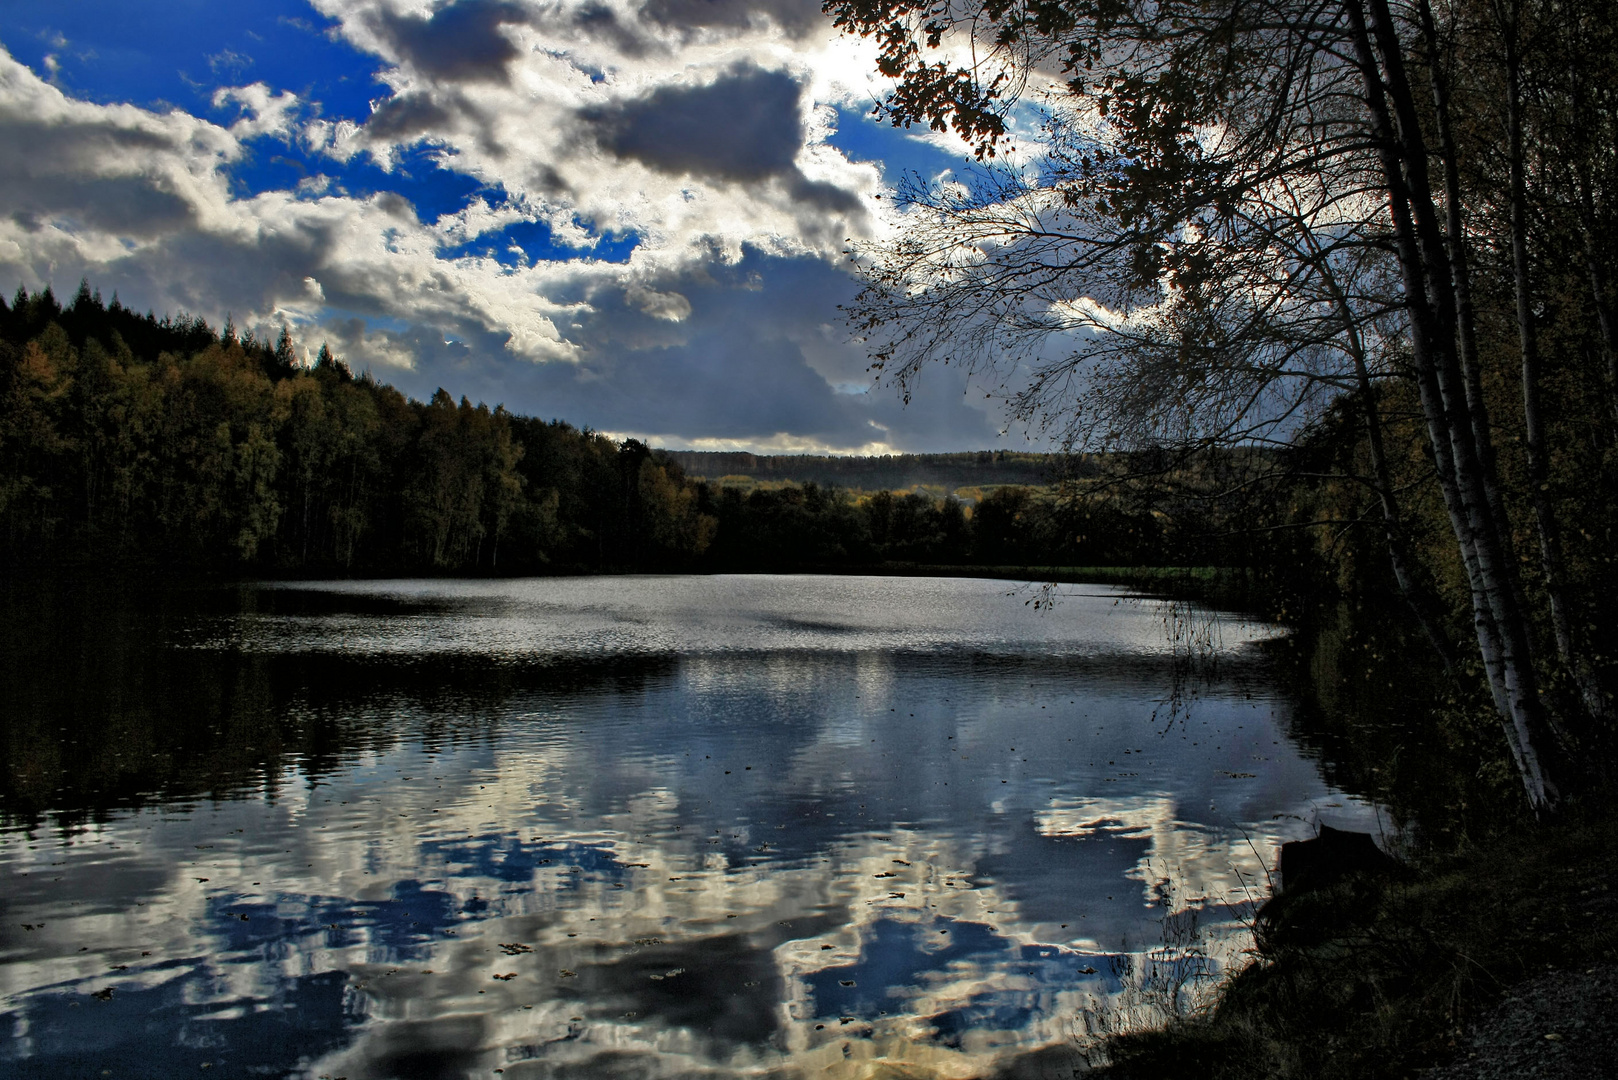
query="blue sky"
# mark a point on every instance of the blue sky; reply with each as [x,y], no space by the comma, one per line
[630,214]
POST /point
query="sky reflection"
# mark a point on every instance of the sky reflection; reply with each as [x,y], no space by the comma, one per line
[760,853]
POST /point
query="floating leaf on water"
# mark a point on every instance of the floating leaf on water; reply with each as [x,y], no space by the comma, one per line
[103,995]
[566,974]
[845,982]
[515,949]
[507,977]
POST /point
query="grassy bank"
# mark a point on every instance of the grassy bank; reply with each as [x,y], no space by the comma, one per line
[1373,979]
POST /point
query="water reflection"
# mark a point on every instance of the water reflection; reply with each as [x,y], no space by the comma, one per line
[626,827]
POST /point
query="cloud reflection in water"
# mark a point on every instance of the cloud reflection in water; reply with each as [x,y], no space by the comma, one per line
[912,822]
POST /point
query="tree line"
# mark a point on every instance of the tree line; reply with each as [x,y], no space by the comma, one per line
[126,438]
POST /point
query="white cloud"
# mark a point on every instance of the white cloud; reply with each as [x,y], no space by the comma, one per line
[266,113]
[669,306]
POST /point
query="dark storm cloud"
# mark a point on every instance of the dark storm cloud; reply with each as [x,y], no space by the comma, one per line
[660,26]
[745,126]
[409,117]
[60,171]
[39,148]
[825,196]
[462,42]
[797,17]
[763,381]
[126,206]
[403,118]
[210,275]
[601,23]
[727,383]
[738,367]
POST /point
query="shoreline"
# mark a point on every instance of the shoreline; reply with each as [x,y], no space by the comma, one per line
[1370,979]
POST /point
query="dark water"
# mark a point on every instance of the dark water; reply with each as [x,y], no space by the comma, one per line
[614,826]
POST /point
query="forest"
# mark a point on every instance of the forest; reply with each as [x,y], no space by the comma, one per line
[126,439]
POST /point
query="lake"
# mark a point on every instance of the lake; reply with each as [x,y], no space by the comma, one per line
[633,826]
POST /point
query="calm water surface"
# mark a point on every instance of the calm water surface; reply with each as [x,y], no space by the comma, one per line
[797,826]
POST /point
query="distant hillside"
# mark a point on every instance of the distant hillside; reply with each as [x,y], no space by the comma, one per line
[889,472]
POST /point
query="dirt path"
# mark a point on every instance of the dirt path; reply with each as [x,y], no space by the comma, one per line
[1560,1026]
